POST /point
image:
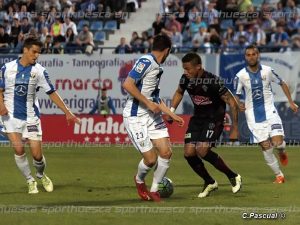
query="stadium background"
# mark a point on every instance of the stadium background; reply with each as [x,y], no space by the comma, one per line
[92,165]
[211,28]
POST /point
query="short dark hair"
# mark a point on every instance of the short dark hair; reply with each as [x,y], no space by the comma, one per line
[161,42]
[192,58]
[32,41]
[251,46]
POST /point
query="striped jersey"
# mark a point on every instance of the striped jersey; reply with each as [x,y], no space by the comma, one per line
[20,85]
[147,73]
[257,88]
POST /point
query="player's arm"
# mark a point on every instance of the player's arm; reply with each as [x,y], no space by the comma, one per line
[287,93]
[45,83]
[130,86]
[277,79]
[229,99]
[241,104]
[177,97]
[3,109]
[54,96]
[238,87]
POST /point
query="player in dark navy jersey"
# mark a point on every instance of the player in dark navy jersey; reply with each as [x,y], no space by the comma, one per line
[209,96]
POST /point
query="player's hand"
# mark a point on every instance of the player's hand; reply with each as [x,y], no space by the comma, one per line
[242,107]
[234,134]
[294,107]
[3,110]
[154,107]
[71,118]
[178,119]
[169,119]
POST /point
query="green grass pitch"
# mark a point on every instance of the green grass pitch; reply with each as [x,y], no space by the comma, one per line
[95,186]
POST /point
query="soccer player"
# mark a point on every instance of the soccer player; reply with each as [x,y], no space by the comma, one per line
[209,96]
[19,82]
[142,117]
[262,118]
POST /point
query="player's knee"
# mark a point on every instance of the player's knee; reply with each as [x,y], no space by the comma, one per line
[37,158]
[279,144]
[166,154]
[189,154]
[265,145]
[19,150]
[202,152]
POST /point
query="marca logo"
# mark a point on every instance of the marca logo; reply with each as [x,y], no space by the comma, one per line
[201,100]
[81,84]
[108,126]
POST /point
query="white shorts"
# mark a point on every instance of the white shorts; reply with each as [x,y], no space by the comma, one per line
[263,131]
[141,129]
[29,129]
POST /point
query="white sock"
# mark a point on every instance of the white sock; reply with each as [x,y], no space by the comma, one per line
[159,173]
[23,165]
[143,170]
[40,167]
[272,162]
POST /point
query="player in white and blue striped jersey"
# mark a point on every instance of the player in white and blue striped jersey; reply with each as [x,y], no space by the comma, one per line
[142,117]
[255,82]
[19,82]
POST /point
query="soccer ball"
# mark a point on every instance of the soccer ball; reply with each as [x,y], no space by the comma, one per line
[165,188]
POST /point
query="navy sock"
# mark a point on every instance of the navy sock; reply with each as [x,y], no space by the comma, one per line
[197,165]
[214,159]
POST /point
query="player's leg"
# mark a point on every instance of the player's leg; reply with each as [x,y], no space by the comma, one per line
[33,132]
[271,160]
[39,162]
[163,148]
[260,134]
[159,136]
[210,134]
[22,161]
[197,165]
[279,143]
[204,151]
[13,128]
[137,132]
[277,138]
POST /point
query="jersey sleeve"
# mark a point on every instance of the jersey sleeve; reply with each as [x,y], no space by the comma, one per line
[275,77]
[237,86]
[45,82]
[140,68]
[218,86]
[2,80]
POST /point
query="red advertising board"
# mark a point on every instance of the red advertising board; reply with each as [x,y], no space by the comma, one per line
[96,129]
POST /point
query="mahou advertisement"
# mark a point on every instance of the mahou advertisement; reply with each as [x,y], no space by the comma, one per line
[96,130]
